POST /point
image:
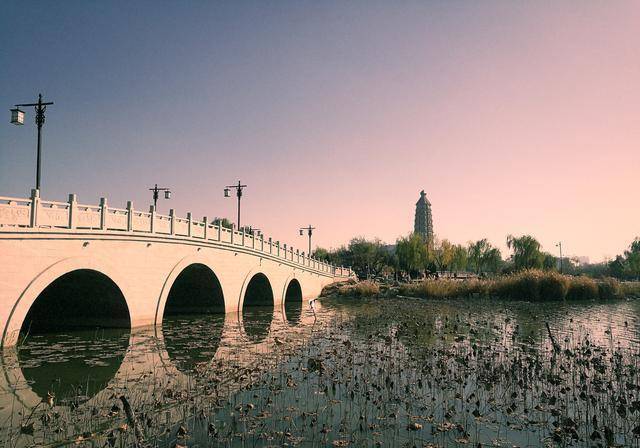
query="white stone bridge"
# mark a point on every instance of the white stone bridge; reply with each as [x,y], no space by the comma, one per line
[68,264]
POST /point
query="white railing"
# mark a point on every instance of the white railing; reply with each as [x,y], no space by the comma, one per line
[33,212]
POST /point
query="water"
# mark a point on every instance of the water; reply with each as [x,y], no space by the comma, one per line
[388,372]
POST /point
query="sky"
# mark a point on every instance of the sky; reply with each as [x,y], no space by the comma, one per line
[514,117]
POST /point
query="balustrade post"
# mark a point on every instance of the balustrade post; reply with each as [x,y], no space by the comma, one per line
[206,226]
[278,248]
[261,243]
[172,221]
[285,250]
[35,207]
[129,216]
[242,236]
[219,231]
[73,208]
[253,241]
[189,219]
[270,246]
[152,211]
[232,234]
[103,213]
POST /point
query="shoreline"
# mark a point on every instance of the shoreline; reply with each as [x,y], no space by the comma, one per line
[531,286]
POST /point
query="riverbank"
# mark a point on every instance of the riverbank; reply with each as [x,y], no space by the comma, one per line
[532,285]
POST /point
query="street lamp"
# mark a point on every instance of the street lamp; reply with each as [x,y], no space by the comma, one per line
[17,118]
[238,188]
[560,246]
[156,190]
[309,232]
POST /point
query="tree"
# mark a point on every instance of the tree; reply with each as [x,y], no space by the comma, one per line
[322,254]
[550,262]
[442,254]
[222,221]
[476,253]
[412,253]
[492,259]
[633,258]
[526,252]
[460,258]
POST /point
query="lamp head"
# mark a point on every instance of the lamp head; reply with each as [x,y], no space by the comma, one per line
[17,116]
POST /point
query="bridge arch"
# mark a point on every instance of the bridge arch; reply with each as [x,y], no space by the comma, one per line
[47,277]
[180,267]
[292,300]
[256,278]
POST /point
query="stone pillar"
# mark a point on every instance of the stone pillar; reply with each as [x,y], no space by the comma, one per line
[189,219]
[298,256]
[219,231]
[205,221]
[172,221]
[261,243]
[129,216]
[278,248]
[73,209]
[103,213]
[242,235]
[152,211]
[285,250]
[270,246]
[35,207]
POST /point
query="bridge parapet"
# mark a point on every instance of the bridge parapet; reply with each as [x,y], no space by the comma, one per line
[34,213]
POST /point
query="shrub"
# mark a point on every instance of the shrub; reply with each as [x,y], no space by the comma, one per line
[631,289]
[582,288]
[609,288]
[524,285]
[362,289]
[553,286]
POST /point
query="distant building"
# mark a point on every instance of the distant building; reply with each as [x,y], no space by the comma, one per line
[581,261]
[423,224]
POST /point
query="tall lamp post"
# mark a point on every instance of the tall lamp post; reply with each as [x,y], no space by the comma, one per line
[559,245]
[17,118]
[238,188]
[156,191]
[309,231]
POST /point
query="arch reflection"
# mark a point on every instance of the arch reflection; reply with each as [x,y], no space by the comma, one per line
[74,366]
[192,341]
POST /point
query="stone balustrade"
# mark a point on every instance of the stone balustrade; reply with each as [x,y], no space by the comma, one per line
[35,213]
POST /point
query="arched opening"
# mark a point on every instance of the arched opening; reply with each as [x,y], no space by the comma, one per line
[85,362]
[196,290]
[293,302]
[257,308]
[83,298]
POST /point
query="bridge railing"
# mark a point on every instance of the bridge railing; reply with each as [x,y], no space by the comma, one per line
[33,212]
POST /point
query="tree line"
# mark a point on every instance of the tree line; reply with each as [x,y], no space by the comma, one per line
[415,256]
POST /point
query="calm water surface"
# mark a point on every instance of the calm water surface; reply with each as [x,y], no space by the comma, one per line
[389,372]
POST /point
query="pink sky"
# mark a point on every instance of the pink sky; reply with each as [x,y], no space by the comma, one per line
[513,117]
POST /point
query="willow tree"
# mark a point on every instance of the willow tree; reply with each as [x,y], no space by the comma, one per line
[412,253]
[526,252]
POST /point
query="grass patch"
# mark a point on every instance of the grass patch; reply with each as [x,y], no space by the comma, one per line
[533,285]
[360,289]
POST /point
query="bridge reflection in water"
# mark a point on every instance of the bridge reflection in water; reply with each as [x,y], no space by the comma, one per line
[88,370]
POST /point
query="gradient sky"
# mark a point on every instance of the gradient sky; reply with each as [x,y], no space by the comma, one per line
[514,117]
